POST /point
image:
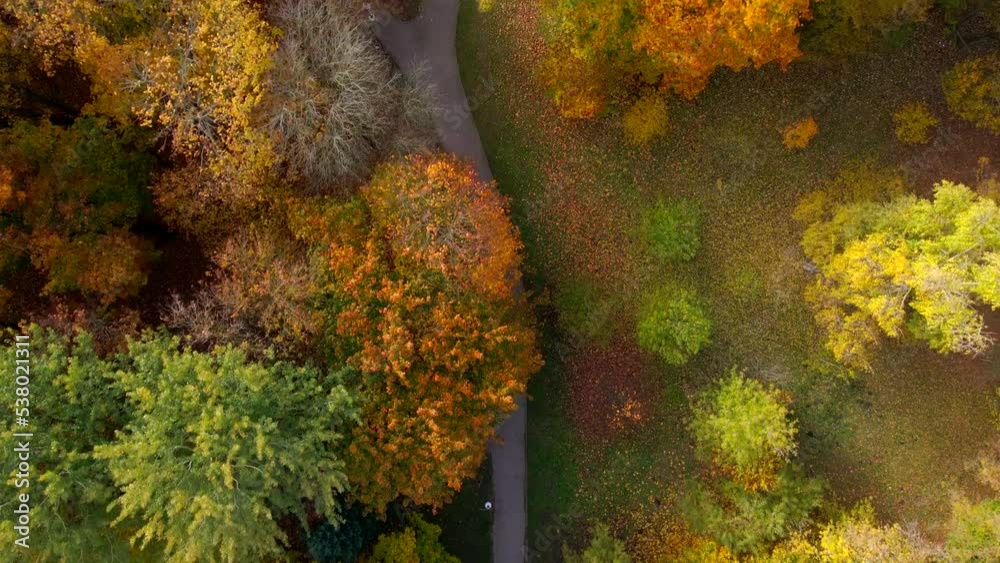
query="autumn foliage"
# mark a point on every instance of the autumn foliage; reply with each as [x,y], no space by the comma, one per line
[798,135]
[689,40]
[972,90]
[423,276]
[914,122]
[68,199]
[910,265]
[672,45]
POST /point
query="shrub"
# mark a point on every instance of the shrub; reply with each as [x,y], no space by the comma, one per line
[646,119]
[850,26]
[798,135]
[914,122]
[584,312]
[672,230]
[417,543]
[576,86]
[268,280]
[744,429]
[972,90]
[674,325]
[744,284]
[206,322]
[334,99]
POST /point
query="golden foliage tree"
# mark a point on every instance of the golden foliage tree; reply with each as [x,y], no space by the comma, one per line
[689,40]
[423,273]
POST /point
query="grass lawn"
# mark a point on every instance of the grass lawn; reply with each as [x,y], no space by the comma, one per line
[607,439]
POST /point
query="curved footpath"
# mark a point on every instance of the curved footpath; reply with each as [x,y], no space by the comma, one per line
[426,44]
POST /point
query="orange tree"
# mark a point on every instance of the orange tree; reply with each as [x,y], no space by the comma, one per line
[422,271]
[676,44]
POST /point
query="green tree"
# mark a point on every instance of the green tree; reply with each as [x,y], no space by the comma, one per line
[603,548]
[847,26]
[219,447]
[673,324]
[747,521]
[911,264]
[745,429]
[74,405]
[68,199]
[344,543]
[671,230]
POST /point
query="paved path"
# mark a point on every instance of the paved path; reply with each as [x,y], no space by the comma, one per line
[428,42]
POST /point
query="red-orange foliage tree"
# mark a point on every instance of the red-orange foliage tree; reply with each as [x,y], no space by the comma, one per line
[422,278]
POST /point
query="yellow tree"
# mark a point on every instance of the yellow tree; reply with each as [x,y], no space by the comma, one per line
[910,265]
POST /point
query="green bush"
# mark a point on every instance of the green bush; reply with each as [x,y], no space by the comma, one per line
[584,312]
[671,230]
[745,429]
[744,284]
[674,325]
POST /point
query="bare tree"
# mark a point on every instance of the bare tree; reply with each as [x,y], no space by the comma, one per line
[334,102]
